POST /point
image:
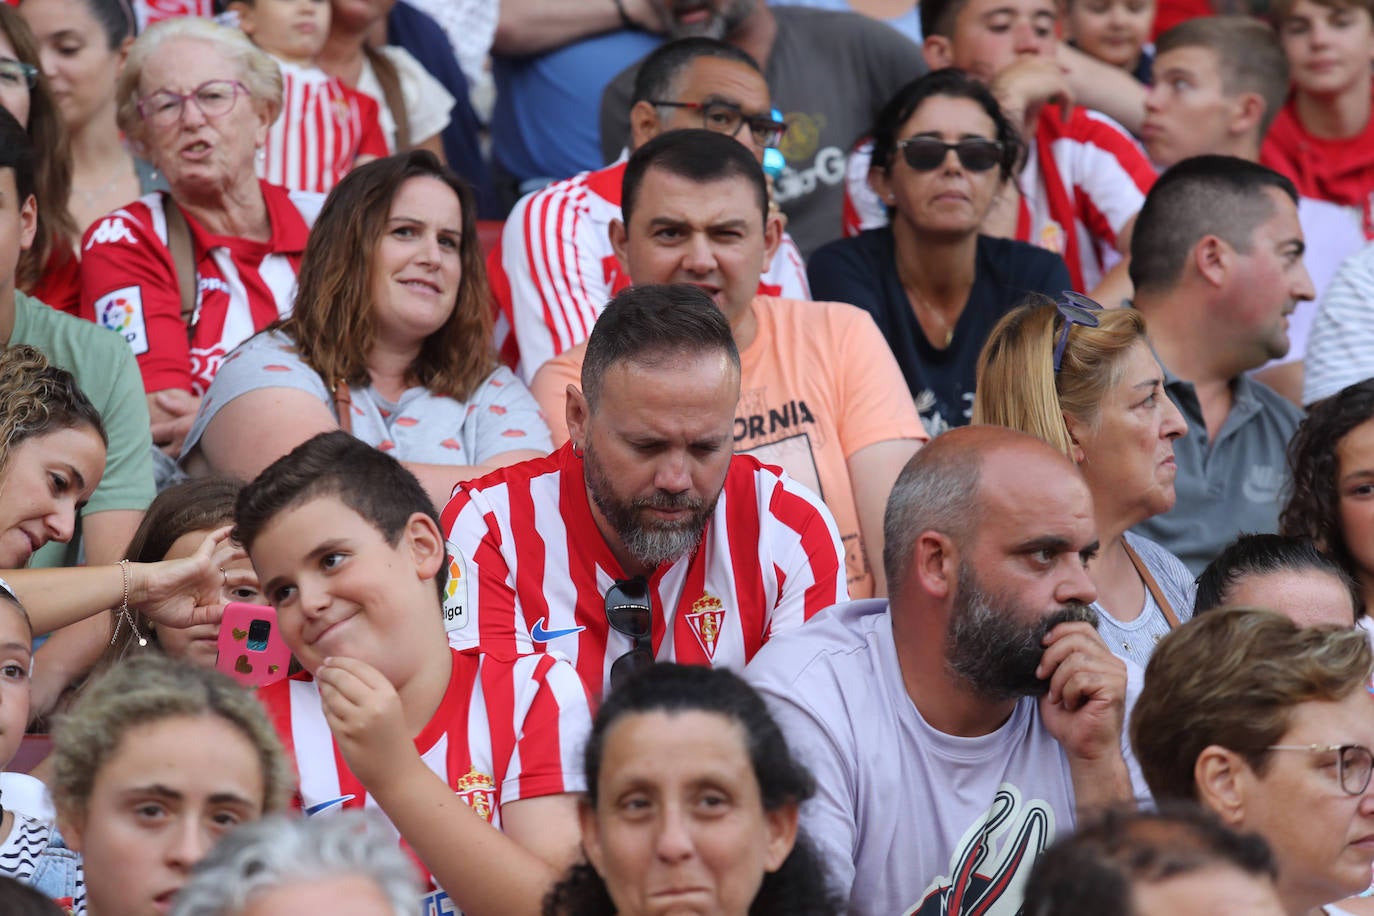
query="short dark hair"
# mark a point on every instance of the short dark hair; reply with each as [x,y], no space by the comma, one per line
[1249,56]
[951,82]
[17,154]
[700,156]
[1261,555]
[1095,869]
[658,73]
[937,16]
[1205,195]
[335,464]
[799,884]
[645,323]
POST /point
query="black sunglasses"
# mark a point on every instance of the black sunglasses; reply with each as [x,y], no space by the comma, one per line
[629,611]
[1074,308]
[925,154]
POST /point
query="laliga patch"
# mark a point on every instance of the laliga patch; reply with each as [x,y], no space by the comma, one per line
[455,591]
[122,312]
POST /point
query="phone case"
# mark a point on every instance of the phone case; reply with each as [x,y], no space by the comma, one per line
[251,649]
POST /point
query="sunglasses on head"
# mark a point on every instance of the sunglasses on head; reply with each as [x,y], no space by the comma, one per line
[925,154]
[629,611]
[1074,308]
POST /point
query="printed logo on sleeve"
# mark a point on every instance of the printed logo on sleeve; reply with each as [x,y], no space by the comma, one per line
[111,229]
[122,312]
[455,591]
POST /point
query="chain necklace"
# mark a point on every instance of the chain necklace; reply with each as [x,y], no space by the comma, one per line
[946,326]
[90,197]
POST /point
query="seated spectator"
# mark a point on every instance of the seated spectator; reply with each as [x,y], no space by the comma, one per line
[1222,81]
[1116,32]
[554,269]
[413,106]
[155,762]
[390,340]
[82,44]
[998,704]
[1217,263]
[48,269]
[1323,139]
[1285,574]
[324,128]
[1178,861]
[1100,400]
[185,277]
[1342,337]
[342,863]
[816,379]
[931,280]
[21,837]
[830,73]
[1083,179]
[348,548]
[1268,725]
[177,523]
[657,739]
[1331,463]
[645,537]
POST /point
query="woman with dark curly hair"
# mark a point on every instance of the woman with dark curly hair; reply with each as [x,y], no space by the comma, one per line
[1331,463]
[692,803]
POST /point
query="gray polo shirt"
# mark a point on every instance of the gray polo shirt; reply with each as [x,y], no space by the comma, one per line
[1233,485]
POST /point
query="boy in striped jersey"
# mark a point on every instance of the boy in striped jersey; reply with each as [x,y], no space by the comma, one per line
[325,128]
[348,548]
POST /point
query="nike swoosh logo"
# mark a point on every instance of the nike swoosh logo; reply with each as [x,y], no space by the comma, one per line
[539,634]
[326,805]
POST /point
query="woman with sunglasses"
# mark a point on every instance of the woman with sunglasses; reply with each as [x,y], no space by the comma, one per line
[1086,381]
[934,285]
[1268,725]
[187,276]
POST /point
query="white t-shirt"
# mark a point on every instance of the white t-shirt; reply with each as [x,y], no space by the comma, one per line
[428,103]
[909,819]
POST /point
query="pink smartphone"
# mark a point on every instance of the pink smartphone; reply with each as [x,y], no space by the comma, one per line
[251,649]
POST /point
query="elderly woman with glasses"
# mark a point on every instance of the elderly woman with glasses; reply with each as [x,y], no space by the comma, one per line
[1086,381]
[1268,725]
[187,276]
[941,150]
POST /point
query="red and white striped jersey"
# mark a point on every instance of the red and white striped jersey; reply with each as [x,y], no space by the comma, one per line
[534,569]
[129,285]
[151,11]
[1084,179]
[506,730]
[554,269]
[324,126]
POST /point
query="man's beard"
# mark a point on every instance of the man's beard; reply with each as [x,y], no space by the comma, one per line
[657,540]
[989,646]
[717,25]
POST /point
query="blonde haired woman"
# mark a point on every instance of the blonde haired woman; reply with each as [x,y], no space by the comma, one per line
[1086,381]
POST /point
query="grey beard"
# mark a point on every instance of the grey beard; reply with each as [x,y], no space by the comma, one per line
[649,544]
[988,646]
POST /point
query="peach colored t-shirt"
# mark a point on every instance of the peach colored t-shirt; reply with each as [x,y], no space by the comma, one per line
[818,384]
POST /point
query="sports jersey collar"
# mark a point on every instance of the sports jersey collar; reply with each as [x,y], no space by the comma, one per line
[289,231]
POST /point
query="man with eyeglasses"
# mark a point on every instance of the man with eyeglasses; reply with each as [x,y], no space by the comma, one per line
[1217,263]
[645,537]
[957,728]
[821,391]
[554,268]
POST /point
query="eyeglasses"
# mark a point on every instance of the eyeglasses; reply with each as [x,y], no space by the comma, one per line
[213,98]
[629,611]
[726,118]
[1354,762]
[1074,308]
[925,154]
[16,73]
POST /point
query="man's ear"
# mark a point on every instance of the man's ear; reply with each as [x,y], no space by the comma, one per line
[938,51]
[28,222]
[644,124]
[1247,115]
[426,545]
[1212,258]
[619,237]
[578,414]
[935,564]
[772,238]
[1220,776]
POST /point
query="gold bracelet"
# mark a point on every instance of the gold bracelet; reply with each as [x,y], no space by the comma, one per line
[124,613]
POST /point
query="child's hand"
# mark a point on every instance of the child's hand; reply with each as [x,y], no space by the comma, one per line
[364,714]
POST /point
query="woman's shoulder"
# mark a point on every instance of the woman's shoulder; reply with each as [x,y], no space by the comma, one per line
[1172,574]
[1011,259]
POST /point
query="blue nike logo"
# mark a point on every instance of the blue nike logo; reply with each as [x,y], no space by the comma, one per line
[326,805]
[539,634]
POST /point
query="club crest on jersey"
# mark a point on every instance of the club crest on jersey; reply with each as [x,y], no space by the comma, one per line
[478,792]
[706,618]
[456,591]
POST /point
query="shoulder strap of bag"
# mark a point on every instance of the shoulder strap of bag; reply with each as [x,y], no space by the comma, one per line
[343,406]
[182,248]
[1148,578]
[389,78]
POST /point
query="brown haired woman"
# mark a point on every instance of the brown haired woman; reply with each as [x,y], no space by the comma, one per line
[393,346]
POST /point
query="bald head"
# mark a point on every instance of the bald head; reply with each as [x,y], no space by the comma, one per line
[961,476]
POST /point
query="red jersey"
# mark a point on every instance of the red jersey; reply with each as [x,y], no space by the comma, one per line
[1340,171]
[324,126]
[534,569]
[505,730]
[129,285]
